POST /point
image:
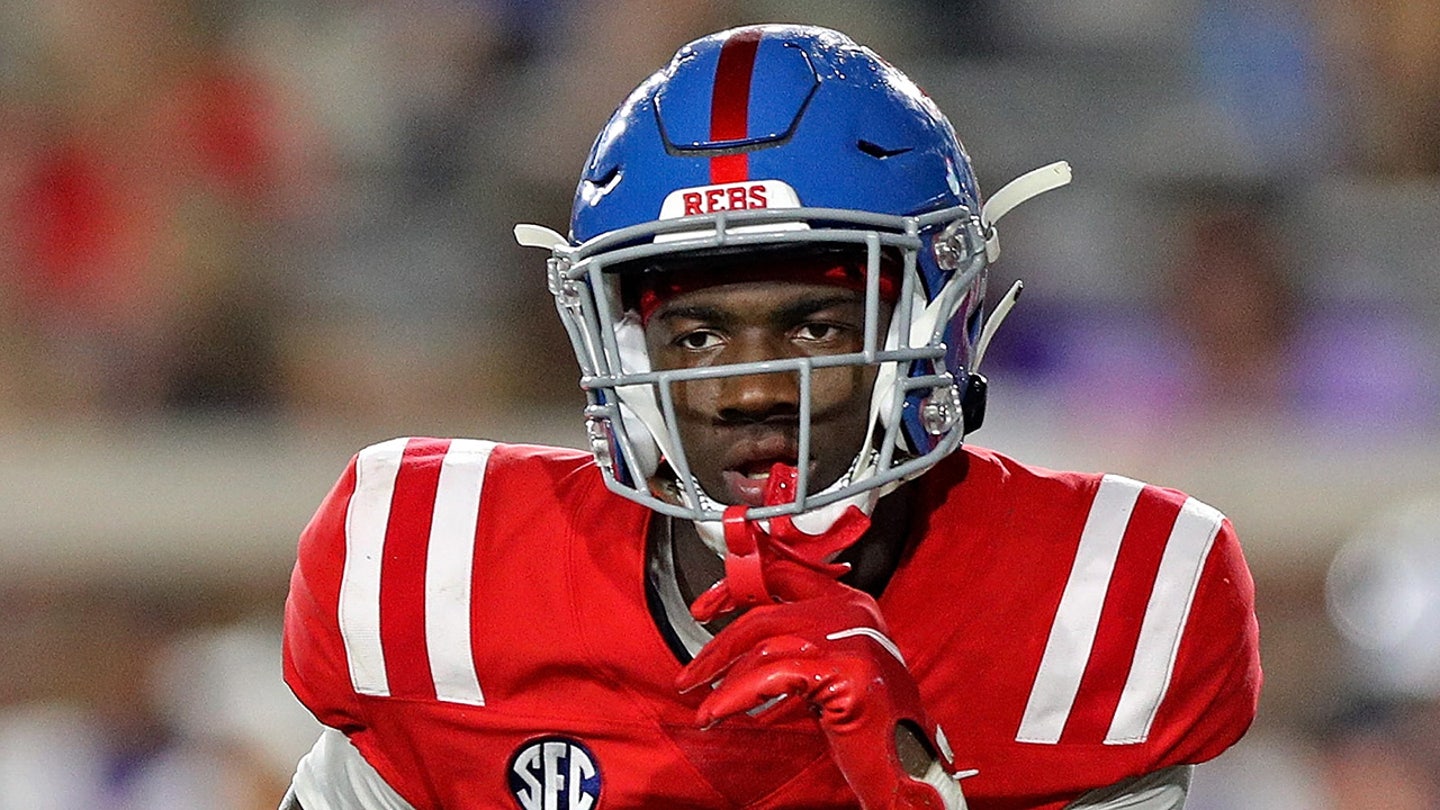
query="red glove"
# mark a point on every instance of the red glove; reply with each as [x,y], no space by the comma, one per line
[831,654]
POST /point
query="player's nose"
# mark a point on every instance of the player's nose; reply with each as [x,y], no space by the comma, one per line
[759,396]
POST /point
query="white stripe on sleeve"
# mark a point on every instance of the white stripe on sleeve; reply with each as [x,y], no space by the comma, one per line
[366,521]
[1165,616]
[1072,635]
[448,572]
[334,776]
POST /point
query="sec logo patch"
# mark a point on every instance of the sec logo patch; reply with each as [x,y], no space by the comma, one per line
[554,773]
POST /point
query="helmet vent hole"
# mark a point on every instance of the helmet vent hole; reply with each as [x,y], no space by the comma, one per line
[875,150]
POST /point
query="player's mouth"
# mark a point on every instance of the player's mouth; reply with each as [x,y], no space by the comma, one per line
[747,481]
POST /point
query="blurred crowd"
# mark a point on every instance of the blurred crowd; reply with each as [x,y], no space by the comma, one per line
[266,210]
[297,214]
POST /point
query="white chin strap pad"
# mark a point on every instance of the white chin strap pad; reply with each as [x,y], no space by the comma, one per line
[644,423]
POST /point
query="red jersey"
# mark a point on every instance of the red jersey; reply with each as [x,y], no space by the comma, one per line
[475,617]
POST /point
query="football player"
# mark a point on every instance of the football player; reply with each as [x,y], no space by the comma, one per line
[778,579]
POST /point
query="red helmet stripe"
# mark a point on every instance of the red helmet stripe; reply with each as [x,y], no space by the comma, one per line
[730,103]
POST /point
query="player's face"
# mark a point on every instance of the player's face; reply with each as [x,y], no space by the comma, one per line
[735,428]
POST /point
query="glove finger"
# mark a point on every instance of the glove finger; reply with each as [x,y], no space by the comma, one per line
[780,648]
[721,652]
[750,630]
[713,663]
[813,618]
[712,603]
[752,690]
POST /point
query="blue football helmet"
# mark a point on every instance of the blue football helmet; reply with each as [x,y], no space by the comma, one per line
[770,137]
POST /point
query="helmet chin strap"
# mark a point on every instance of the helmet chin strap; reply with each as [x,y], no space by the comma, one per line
[538,236]
[992,323]
[1030,184]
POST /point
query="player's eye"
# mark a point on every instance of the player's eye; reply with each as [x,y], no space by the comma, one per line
[818,332]
[698,340]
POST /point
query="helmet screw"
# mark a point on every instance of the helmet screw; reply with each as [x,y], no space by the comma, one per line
[570,296]
[949,246]
[939,412]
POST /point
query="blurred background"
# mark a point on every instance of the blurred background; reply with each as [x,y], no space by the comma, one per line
[243,238]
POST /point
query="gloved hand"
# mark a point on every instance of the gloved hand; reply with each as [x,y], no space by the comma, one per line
[829,653]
